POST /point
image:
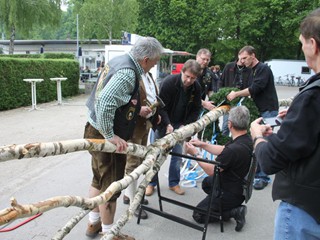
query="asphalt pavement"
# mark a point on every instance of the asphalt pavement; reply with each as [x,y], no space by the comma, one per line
[36,179]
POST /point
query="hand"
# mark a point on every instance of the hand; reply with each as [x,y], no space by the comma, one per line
[258,129]
[145,111]
[282,113]
[169,129]
[196,142]
[190,149]
[208,105]
[121,145]
[232,95]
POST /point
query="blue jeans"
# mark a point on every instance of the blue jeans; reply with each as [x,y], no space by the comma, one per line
[175,162]
[293,223]
[259,173]
[174,168]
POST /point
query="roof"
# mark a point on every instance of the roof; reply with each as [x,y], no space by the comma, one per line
[45,42]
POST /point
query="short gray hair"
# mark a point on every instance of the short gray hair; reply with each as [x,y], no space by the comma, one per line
[146,47]
[239,117]
[204,51]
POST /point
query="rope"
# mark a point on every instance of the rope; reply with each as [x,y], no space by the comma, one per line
[20,224]
[191,172]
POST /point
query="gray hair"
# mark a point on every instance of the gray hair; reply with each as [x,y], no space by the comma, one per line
[146,47]
[204,51]
[239,117]
[193,66]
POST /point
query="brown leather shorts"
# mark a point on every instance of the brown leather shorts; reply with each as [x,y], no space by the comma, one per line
[106,167]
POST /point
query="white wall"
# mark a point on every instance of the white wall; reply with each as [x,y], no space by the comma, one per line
[283,68]
[112,51]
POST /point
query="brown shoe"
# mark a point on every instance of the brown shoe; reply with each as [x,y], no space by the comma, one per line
[149,190]
[121,236]
[93,229]
[177,190]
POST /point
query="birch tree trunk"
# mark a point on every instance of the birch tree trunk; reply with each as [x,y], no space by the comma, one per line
[63,147]
[154,154]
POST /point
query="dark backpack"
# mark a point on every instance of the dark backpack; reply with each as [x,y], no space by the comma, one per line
[247,181]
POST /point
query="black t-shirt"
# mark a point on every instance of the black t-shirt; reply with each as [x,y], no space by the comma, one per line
[262,89]
[236,156]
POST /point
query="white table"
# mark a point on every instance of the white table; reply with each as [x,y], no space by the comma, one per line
[59,94]
[33,82]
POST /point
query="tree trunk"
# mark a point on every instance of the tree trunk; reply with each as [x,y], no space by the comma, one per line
[12,37]
[154,156]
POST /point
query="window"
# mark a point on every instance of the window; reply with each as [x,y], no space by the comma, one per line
[305,70]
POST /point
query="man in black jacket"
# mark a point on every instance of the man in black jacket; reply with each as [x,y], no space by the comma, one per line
[236,75]
[206,79]
[181,94]
[293,153]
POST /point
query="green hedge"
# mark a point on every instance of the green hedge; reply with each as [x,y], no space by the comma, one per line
[43,55]
[17,93]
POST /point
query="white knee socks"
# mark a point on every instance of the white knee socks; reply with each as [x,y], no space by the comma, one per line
[94,217]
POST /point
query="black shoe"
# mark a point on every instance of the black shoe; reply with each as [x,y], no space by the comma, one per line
[143,215]
[239,214]
[260,184]
[126,200]
[145,202]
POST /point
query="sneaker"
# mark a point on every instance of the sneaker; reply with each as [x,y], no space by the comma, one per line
[177,190]
[259,184]
[93,229]
[120,236]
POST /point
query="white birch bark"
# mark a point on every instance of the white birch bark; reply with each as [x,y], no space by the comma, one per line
[63,147]
[154,154]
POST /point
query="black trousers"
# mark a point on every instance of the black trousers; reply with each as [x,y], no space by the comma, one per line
[229,201]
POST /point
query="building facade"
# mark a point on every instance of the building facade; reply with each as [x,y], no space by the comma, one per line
[91,53]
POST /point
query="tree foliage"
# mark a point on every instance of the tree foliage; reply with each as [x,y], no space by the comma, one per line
[67,28]
[22,15]
[105,18]
[224,26]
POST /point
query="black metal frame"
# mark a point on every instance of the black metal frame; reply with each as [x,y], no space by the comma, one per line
[216,193]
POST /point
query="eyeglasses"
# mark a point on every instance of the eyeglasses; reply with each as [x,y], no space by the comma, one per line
[205,59]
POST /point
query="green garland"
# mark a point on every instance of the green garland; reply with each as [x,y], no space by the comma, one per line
[219,97]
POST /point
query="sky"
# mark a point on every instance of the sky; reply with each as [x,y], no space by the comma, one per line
[64,7]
